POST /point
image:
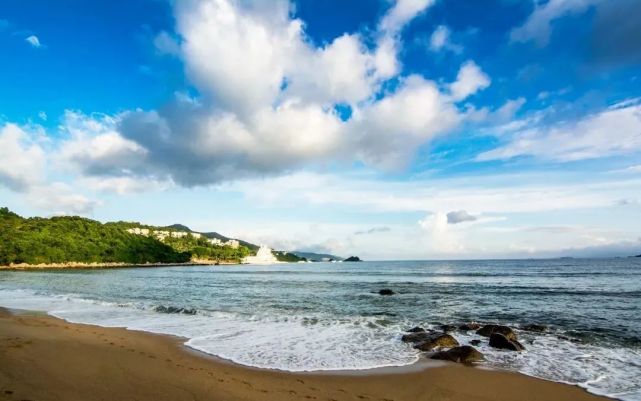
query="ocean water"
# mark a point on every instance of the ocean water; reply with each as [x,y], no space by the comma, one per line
[329,316]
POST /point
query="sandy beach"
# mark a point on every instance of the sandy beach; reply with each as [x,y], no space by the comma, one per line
[44,358]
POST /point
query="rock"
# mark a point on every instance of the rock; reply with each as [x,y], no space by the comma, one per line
[386,291]
[475,342]
[500,341]
[448,327]
[462,354]
[538,328]
[174,309]
[417,337]
[489,329]
[437,340]
[415,330]
[469,326]
[353,259]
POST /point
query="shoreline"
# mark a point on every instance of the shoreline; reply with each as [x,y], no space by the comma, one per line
[46,358]
[109,265]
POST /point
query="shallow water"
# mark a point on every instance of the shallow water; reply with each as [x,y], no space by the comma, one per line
[326,316]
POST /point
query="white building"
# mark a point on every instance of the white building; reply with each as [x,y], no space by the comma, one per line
[264,256]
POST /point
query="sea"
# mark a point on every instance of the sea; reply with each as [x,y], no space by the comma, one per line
[330,316]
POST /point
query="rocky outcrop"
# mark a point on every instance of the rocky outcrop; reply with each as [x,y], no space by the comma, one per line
[353,259]
[415,330]
[386,291]
[417,337]
[437,340]
[489,329]
[469,326]
[448,328]
[500,341]
[537,328]
[462,354]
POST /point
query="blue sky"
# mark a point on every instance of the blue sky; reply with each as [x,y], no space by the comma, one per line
[402,129]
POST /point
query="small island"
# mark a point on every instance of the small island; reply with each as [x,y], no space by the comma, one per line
[353,259]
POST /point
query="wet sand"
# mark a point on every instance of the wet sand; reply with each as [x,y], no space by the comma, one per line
[43,358]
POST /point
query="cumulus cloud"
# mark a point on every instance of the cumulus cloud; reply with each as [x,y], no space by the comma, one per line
[470,79]
[613,131]
[268,102]
[33,41]
[22,160]
[95,147]
[459,216]
[23,168]
[538,26]
[387,132]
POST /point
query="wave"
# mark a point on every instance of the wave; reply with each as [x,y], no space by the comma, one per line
[311,342]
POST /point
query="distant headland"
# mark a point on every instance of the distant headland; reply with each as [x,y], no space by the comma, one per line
[75,242]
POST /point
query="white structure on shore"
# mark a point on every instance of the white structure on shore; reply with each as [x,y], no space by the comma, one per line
[264,256]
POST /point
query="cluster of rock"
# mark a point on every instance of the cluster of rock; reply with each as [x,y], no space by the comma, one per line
[446,347]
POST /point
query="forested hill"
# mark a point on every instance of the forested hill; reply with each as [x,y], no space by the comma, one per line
[76,239]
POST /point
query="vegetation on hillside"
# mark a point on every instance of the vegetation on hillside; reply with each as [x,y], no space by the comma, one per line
[75,239]
[283,256]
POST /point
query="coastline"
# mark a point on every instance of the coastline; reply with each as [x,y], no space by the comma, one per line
[46,358]
[109,265]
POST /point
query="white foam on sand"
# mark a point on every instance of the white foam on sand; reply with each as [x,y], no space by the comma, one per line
[297,343]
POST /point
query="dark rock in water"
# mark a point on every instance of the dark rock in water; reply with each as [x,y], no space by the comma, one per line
[437,340]
[353,259]
[489,329]
[448,327]
[500,341]
[386,291]
[416,330]
[538,328]
[174,309]
[469,326]
[462,354]
[417,337]
[475,342]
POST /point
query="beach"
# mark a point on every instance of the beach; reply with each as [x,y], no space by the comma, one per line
[45,358]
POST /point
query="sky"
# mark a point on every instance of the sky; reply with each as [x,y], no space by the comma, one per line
[388,129]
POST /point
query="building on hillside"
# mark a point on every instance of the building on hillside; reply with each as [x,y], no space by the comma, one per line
[139,231]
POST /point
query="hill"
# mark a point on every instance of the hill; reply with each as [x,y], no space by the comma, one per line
[68,239]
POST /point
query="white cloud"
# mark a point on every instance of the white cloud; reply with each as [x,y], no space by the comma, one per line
[538,26]
[23,168]
[613,131]
[33,41]
[267,104]
[387,132]
[60,198]
[489,195]
[470,79]
[441,40]
[401,13]
[95,147]
[22,160]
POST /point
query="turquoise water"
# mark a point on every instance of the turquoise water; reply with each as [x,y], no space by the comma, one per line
[326,316]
